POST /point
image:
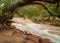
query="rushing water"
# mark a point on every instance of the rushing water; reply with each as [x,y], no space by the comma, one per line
[45,31]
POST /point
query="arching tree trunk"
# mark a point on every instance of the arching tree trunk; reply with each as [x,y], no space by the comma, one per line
[21,4]
[26,2]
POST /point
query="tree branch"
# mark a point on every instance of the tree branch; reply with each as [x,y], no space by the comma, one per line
[26,2]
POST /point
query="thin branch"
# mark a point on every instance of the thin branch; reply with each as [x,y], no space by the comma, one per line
[38,3]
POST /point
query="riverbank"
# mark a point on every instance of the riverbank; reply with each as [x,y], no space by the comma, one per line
[13,35]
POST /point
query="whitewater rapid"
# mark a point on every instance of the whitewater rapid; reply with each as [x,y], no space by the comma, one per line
[45,31]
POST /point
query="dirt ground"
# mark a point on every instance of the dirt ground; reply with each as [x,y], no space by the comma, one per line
[13,35]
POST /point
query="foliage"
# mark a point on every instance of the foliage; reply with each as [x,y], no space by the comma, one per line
[34,12]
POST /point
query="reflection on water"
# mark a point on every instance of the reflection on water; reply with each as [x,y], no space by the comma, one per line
[45,31]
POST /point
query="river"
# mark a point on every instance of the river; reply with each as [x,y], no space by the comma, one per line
[42,30]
